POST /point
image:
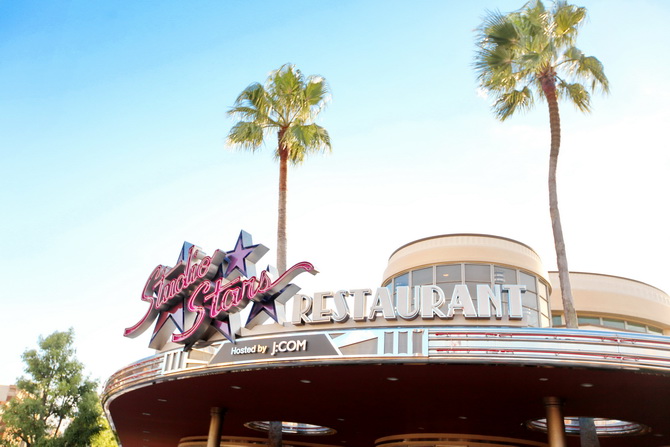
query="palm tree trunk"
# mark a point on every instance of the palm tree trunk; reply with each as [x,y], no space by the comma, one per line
[275,434]
[549,88]
[281,208]
[588,436]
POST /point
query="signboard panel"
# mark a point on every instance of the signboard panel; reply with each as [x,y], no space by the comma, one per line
[312,345]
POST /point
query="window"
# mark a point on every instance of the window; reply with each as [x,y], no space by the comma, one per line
[448,273]
[422,277]
[399,281]
[529,299]
[532,317]
[614,323]
[478,273]
[507,276]
[447,276]
[585,321]
[636,327]
[528,281]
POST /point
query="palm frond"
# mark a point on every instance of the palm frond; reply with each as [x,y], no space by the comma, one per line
[252,104]
[304,139]
[244,112]
[532,60]
[498,30]
[567,21]
[316,92]
[508,103]
[253,96]
[533,18]
[572,55]
[577,94]
[246,135]
[590,68]
[525,46]
[288,103]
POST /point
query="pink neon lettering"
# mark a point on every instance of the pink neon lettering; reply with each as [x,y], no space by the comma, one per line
[172,288]
[251,286]
[229,299]
[190,266]
[236,291]
[148,296]
[264,284]
[192,307]
[219,302]
[158,291]
[204,266]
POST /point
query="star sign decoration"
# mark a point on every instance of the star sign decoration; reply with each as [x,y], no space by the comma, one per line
[166,323]
[242,259]
[228,327]
[272,304]
[183,254]
[202,298]
[174,316]
[269,306]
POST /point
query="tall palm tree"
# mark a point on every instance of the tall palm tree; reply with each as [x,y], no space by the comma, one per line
[288,104]
[531,53]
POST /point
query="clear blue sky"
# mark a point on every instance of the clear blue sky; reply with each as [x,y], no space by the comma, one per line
[112,130]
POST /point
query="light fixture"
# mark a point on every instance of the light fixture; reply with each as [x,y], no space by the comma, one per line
[392,379]
[587,385]
[293,428]
[161,400]
[543,379]
[235,387]
[305,381]
[604,426]
[146,414]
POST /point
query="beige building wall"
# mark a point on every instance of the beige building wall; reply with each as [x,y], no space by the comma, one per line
[615,297]
[7,392]
[474,248]
[595,295]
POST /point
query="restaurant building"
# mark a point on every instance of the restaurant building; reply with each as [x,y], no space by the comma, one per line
[461,344]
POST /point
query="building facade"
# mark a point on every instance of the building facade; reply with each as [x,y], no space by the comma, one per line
[462,344]
[7,393]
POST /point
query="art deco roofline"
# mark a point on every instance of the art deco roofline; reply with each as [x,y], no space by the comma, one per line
[461,235]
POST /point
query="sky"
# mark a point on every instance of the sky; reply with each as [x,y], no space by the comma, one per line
[112,141]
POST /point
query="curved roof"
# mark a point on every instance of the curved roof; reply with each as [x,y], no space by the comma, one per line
[614,296]
[464,247]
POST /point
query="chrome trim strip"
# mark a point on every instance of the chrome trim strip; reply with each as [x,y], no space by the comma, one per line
[529,346]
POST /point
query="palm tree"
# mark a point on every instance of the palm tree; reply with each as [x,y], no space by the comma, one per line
[529,53]
[288,104]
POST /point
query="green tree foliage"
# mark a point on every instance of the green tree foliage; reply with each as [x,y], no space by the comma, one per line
[106,437]
[57,406]
[531,53]
[288,104]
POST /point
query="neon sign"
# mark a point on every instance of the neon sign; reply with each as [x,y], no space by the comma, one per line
[201,296]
